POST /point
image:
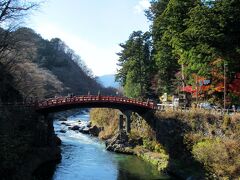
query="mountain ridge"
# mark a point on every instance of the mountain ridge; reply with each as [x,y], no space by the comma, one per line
[108,80]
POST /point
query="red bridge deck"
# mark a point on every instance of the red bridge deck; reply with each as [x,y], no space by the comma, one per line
[93,101]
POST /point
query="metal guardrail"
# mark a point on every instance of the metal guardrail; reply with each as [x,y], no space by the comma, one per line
[165,107]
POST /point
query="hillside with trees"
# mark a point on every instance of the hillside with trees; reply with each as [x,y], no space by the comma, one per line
[39,68]
[42,68]
[33,68]
[192,47]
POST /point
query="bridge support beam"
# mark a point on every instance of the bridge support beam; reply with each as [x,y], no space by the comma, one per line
[128,120]
[120,122]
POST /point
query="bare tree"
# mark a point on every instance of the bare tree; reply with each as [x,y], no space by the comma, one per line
[33,81]
[29,78]
[12,10]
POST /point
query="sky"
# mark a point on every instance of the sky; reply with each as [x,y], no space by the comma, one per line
[92,28]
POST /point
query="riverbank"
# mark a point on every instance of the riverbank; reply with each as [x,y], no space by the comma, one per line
[193,144]
[139,142]
[27,141]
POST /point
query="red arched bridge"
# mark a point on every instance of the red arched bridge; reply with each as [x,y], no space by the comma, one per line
[90,101]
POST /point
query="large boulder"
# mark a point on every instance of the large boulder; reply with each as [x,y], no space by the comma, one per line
[66,124]
[75,127]
[94,130]
[119,143]
[84,131]
[62,131]
[136,142]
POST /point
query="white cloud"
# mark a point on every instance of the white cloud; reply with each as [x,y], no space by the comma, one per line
[101,60]
[141,6]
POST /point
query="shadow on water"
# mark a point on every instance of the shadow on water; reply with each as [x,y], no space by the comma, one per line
[131,167]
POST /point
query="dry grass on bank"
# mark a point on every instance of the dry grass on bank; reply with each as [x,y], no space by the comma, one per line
[107,119]
[213,140]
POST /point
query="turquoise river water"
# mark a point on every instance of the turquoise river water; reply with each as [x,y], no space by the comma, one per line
[85,158]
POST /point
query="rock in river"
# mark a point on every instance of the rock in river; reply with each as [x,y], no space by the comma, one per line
[119,143]
[94,130]
[84,131]
[62,131]
[74,128]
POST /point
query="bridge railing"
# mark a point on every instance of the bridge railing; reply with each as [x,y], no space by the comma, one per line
[90,98]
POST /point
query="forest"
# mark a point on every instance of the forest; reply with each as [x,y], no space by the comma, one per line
[192,47]
[33,68]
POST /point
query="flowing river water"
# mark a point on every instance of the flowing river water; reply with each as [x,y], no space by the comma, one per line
[84,157]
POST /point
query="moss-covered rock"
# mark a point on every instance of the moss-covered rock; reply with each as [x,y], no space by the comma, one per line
[160,160]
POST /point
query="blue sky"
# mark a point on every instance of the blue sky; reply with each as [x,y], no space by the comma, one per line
[92,28]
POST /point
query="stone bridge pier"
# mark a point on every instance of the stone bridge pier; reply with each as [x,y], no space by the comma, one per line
[127,115]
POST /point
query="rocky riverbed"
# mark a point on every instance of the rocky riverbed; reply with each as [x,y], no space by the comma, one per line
[84,156]
[121,142]
[80,127]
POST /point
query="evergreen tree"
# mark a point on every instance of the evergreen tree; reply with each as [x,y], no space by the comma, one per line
[167,28]
[136,65]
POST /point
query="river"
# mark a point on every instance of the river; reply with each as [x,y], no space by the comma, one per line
[84,157]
